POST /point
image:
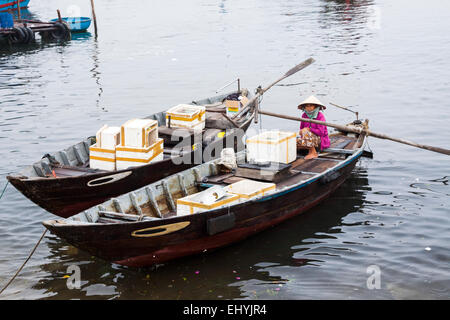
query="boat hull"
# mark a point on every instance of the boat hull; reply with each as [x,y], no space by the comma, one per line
[128,243]
[65,197]
[9,4]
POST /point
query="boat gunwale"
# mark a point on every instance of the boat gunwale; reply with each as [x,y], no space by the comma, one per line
[23,179]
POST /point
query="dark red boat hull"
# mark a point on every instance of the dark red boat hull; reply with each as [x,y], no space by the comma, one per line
[116,242]
[65,197]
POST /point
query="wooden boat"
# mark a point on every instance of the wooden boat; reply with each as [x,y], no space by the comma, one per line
[70,186]
[142,228]
[12,4]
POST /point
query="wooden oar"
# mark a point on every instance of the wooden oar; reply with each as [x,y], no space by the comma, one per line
[359,130]
[344,108]
[260,92]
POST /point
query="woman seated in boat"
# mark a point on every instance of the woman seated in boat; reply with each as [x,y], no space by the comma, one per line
[312,136]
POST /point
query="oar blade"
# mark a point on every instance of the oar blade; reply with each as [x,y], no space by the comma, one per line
[299,67]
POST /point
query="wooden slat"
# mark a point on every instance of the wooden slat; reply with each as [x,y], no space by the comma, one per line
[336,150]
[152,201]
[168,196]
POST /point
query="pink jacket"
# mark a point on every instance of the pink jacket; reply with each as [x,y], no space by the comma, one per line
[317,129]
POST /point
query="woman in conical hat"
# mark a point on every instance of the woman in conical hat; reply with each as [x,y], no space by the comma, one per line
[312,135]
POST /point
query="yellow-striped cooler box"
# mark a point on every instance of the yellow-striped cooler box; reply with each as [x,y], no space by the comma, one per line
[186,116]
[133,157]
[209,199]
[102,158]
[276,146]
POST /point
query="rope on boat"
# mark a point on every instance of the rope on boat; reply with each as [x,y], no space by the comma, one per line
[23,265]
[4,189]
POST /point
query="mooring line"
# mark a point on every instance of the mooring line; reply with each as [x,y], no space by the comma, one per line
[23,265]
[4,189]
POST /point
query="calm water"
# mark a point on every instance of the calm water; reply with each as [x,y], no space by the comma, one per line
[387,59]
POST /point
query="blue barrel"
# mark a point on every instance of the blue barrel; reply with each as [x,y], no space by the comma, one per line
[6,20]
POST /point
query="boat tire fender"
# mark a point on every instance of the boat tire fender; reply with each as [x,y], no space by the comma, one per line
[62,33]
[19,35]
[31,36]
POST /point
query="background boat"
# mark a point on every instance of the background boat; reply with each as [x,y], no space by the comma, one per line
[68,189]
[9,4]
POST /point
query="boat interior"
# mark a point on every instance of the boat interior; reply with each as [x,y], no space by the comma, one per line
[158,200]
[74,160]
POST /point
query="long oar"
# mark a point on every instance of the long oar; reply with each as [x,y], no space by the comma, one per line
[260,92]
[359,131]
[347,109]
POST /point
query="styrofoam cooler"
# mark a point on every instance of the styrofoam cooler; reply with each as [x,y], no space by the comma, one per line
[209,199]
[139,133]
[248,189]
[102,155]
[276,146]
[109,137]
[102,158]
[186,116]
[132,157]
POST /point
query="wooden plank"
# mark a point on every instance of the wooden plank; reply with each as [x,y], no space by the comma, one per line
[135,204]
[343,151]
[261,174]
[152,201]
[313,165]
[63,172]
[168,195]
[219,178]
[182,185]
[233,179]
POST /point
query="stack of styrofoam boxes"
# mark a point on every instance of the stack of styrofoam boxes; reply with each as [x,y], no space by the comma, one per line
[247,189]
[209,199]
[139,144]
[186,116]
[275,146]
[102,155]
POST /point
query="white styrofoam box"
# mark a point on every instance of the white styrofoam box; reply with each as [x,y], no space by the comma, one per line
[102,158]
[98,135]
[110,137]
[247,189]
[186,116]
[200,202]
[132,157]
[276,146]
[139,133]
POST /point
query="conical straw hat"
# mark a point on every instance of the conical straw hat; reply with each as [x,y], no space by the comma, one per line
[311,100]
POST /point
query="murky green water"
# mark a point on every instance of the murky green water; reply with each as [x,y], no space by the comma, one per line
[387,59]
